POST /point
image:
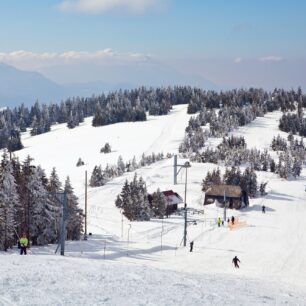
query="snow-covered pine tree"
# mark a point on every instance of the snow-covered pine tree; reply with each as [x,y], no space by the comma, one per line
[20,211]
[119,202]
[142,208]
[40,215]
[134,164]
[120,165]
[288,164]
[42,174]
[249,182]
[262,188]
[54,182]
[73,120]
[9,203]
[290,137]
[97,178]
[159,204]
[296,168]
[80,162]
[143,160]
[14,142]
[55,188]
[272,166]
[216,177]
[133,200]
[126,201]
[106,149]
[74,215]
[207,182]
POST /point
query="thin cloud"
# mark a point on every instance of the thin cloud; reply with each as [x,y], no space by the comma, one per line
[102,6]
[271,58]
[32,60]
[237,60]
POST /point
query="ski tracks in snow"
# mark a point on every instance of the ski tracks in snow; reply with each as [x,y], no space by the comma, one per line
[170,137]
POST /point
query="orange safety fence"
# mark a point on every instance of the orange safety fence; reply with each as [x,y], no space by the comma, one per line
[237,224]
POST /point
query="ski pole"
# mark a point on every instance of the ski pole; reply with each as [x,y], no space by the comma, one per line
[16,233]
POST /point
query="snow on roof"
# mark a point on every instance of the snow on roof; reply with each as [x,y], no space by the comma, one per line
[230,191]
[172,197]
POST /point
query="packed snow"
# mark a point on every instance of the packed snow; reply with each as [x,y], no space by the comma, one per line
[145,263]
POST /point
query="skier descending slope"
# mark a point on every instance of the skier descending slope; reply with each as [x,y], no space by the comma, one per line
[191,246]
[235,261]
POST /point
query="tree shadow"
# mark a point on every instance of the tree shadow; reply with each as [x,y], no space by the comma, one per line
[279,196]
[256,207]
[217,249]
[104,247]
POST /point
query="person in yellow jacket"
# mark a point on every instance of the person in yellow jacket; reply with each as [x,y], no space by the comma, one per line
[23,244]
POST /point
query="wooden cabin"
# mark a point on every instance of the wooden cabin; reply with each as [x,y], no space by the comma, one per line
[173,199]
[234,196]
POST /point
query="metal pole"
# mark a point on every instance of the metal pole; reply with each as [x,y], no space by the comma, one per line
[28,220]
[5,233]
[224,207]
[104,249]
[175,170]
[185,206]
[121,223]
[128,240]
[161,236]
[85,235]
[63,231]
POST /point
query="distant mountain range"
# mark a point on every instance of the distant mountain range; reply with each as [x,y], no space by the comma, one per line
[18,86]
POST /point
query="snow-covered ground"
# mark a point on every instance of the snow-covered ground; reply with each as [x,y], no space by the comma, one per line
[49,280]
[144,263]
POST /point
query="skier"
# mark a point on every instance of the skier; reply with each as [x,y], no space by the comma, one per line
[23,244]
[191,246]
[219,222]
[233,220]
[235,261]
[263,209]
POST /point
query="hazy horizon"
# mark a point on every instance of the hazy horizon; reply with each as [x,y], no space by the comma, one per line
[151,42]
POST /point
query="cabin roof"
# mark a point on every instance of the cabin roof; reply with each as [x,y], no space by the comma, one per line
[172,197]
[232,191]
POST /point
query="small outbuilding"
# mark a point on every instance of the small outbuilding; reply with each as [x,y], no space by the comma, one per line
[173,199]
[234,196]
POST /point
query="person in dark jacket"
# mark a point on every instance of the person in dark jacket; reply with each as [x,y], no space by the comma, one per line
[263,209]
[235,261]
[233,220]
[191,246]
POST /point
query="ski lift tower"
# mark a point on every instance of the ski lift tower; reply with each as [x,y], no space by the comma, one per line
[62,198]
[186,165]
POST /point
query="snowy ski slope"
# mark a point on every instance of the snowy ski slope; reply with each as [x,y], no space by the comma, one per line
[148,257]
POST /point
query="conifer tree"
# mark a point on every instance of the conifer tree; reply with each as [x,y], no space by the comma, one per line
[120,165]
[9,203]
[159,204]
[41,215]
[74,215]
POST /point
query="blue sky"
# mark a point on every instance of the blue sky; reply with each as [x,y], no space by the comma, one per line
[176,33]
